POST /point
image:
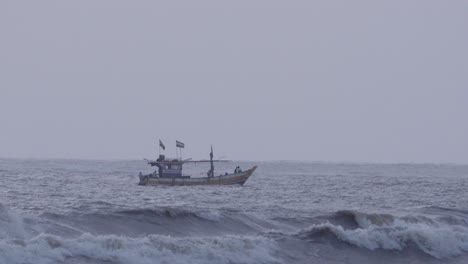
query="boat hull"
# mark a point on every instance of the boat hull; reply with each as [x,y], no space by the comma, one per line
[235,178]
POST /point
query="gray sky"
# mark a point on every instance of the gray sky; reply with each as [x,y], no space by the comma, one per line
[377,81]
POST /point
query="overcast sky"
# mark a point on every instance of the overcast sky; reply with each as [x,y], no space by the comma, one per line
[372,81]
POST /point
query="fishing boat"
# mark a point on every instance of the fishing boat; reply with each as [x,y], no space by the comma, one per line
[169,172]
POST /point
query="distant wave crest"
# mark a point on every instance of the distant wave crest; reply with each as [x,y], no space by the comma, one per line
[171,212]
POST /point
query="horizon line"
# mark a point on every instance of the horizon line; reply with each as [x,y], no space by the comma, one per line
[252,160]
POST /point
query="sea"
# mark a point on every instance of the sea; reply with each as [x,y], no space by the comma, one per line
[91,211]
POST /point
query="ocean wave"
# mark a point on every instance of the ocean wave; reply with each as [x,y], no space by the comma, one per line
[172,212]
[11,223]
[351,219]
[388,232]
[46,248]
[154,212]
[224,220]
[176,221]
[142,215]
[453,216]
[364,220]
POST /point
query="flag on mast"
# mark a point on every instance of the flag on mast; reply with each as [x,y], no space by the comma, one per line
[162,145]
[179,144]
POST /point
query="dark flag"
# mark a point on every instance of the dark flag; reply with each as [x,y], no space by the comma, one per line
[179,144]
[162,145]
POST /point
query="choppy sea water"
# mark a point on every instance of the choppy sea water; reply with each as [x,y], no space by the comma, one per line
[72,211]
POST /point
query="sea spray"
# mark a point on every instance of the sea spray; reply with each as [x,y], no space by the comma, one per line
[11,223]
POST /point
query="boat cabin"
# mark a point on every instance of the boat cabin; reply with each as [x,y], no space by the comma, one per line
[168,168]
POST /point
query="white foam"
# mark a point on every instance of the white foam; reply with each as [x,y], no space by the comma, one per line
[440,241]
[48,249]
[212,215]
[11,223]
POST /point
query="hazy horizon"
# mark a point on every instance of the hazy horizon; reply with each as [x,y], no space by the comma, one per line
[331,81]
[338,162]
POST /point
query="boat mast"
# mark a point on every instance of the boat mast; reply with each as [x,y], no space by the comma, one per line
[211,173]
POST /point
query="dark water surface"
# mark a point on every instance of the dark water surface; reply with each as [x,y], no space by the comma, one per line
[71,211]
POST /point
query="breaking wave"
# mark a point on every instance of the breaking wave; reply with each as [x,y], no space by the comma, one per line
[435,237]
[194,235]
[19,246]
[45,248]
